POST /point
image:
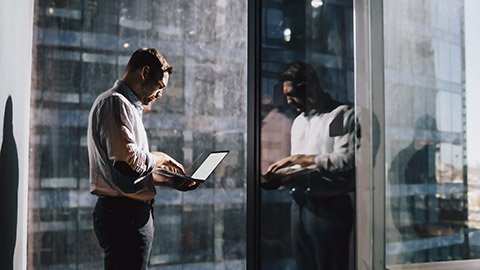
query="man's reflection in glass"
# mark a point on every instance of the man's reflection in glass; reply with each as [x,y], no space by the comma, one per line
[414,164]
[323,144]
[416,211]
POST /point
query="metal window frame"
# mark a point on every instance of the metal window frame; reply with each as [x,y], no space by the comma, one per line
[253,133]
[370,108]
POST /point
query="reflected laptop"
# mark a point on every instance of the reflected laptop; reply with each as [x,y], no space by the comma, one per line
[203,171]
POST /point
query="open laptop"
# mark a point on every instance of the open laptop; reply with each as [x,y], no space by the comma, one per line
[203,171]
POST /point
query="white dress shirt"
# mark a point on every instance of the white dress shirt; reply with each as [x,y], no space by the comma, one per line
[116,135]
[330,136]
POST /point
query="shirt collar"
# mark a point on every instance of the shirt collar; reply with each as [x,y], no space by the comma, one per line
[326,105]
[129,94]
[312,112]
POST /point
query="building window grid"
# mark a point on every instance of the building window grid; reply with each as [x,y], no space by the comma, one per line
[61,202]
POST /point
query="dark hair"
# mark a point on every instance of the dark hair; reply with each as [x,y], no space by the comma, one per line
[299,72]
[303,75]
[149,57]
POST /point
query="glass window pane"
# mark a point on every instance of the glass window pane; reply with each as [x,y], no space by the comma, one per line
[80,48]
[431,196]
[307,118]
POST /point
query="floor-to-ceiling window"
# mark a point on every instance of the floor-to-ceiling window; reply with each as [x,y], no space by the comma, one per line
[306,53]
[80,48]
[432,202]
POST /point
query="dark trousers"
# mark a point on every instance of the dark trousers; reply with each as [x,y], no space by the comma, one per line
[320,233]
[124,229]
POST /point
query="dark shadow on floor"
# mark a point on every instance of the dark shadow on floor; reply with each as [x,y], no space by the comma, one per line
[8,190]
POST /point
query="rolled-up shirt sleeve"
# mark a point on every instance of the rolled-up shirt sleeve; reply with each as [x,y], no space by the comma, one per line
[118,127]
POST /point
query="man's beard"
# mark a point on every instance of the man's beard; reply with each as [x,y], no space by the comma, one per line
[147,100]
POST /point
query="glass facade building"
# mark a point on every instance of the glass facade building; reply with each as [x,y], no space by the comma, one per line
[404,68]
[80,49]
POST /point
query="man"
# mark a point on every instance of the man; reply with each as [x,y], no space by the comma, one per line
[322,136]
[121,164]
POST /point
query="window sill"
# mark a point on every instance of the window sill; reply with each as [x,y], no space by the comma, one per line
[449,265]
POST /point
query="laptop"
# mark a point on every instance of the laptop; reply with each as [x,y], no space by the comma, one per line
[203,171]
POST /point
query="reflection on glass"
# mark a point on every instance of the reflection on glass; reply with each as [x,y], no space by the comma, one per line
[307,135]
[427,189]
[81,47]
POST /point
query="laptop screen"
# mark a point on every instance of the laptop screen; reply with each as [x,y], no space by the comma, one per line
[210,163]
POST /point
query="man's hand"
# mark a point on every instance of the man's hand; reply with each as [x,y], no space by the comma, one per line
[302,160]
[182,184]
[165,160]
[174,182]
